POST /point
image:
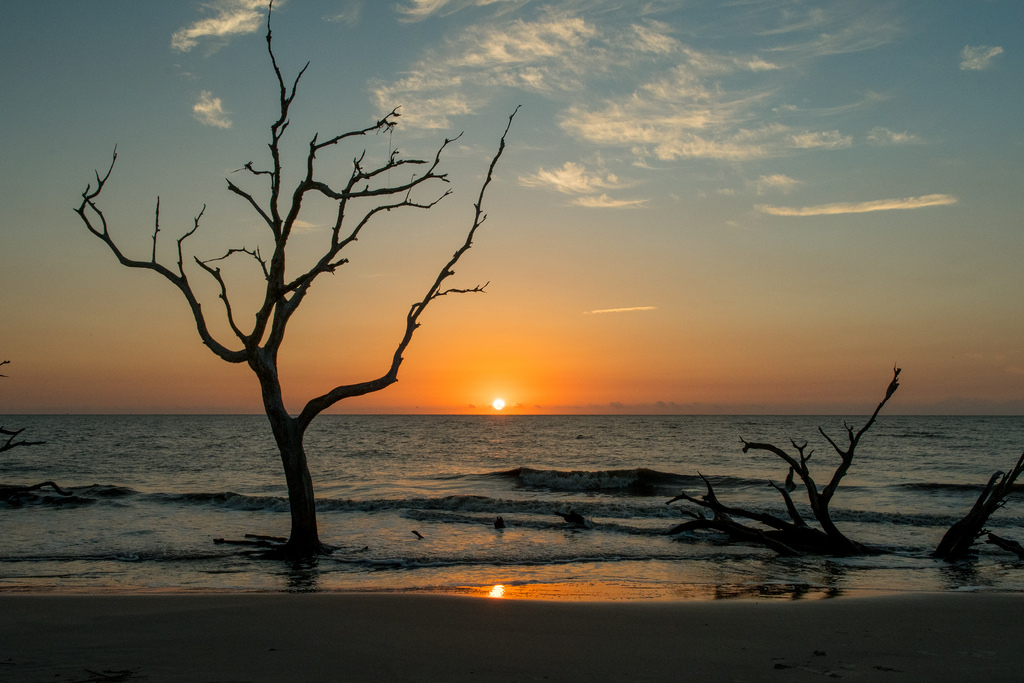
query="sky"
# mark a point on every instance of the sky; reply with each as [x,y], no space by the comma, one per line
[705,206]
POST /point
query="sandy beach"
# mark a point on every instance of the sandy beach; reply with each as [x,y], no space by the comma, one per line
[371,637]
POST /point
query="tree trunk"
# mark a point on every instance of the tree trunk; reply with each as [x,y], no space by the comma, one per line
[304,541]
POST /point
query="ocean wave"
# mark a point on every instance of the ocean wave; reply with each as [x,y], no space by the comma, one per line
[226,499]
[71,497]
[637,481]
[940,486]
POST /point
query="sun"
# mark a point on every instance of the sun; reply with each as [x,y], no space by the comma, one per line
[498,403]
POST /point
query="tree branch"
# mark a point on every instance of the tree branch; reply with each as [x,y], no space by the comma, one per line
[317,405]
[12,434]
[96,223]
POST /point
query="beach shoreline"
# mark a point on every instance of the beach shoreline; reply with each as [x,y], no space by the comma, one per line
[420,637]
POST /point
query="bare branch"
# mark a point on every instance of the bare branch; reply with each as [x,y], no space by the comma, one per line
[254,253]
[12,434]
[316,405]
[96,223]
[156,230]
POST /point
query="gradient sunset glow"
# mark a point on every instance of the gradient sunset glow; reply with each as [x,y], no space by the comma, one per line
[704,207]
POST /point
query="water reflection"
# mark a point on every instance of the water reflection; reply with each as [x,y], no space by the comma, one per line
[303,575]
[601,591]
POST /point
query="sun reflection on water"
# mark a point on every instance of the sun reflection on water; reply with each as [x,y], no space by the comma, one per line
[497,591]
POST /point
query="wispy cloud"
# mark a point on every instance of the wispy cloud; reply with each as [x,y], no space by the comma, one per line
[776,181]
[823,139]
[978,58]
[880,135]
[349,15]
[630,309]
[840,29]
[209,111]
[418,10]
[691,102]
[231,18]
[603,201]
[547,56]
[861,207]
[572,178]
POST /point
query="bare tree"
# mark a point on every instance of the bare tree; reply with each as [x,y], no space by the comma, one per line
[258,343]
[793,535]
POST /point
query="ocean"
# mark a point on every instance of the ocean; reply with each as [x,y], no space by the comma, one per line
[150,493]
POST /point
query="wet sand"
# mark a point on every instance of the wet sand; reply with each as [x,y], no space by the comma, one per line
[392,637]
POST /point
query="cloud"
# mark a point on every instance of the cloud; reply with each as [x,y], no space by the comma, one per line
[418,10]
[654,38]
[631,309]
[233,17]
[349,15]
[862,207]
[209,111]
[776,181]
[603,201]
[523,42]
[842,29]
[826,139]
[622,79]
[883,136]
[543,56]
[978,58]
[572,178]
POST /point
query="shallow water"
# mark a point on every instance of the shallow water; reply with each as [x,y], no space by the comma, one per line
[150,493]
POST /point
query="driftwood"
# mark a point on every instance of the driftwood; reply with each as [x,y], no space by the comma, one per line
[959,539]
[574,519]
[12,434]
[254,540]
[1007,544]
[9,491]
[795,535]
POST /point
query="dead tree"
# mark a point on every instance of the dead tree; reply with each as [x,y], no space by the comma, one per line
[958,541]
[793,535]
[256,338]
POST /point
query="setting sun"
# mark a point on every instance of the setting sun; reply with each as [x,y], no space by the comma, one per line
[498,404]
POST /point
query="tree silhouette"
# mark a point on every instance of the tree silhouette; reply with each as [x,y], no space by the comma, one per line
[257,340]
